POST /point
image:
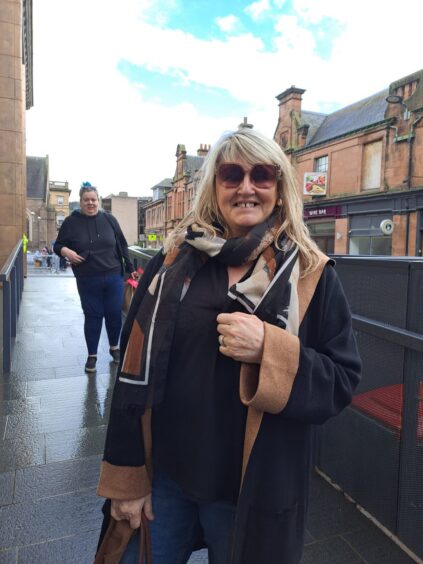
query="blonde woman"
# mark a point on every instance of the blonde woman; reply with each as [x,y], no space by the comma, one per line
[237,341]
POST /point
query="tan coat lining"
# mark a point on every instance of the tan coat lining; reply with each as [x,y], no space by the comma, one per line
[306,288]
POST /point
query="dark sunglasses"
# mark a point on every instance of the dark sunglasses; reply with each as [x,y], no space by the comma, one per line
[230,175]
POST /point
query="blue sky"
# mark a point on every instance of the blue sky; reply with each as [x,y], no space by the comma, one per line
[215,21]
[117,86]
[173,88]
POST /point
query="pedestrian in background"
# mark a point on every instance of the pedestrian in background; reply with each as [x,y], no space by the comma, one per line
[93,242]
[56,260]
[237,342]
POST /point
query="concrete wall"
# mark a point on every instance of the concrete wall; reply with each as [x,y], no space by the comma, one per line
[125,210]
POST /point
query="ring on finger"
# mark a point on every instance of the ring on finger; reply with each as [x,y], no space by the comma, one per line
[221,340]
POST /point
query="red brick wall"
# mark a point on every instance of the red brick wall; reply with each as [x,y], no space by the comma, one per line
[399,235]
[345,163]
[341,236]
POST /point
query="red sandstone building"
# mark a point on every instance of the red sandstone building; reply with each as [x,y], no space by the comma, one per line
[369,159]
[360,170]
[173,198]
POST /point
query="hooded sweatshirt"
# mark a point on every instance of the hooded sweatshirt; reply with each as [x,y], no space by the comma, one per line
[99,239]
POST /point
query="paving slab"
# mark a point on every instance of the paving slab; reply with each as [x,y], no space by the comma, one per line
[78,443]
[9,556]
[330,513]
[38,482]
[77,548]
[22,452]
[331,551]
[372,544]
[48,519]
[7,485]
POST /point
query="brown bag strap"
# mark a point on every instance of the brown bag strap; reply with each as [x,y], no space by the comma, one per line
[145,542]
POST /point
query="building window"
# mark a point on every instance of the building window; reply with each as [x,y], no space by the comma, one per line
[60,200]
[372,165]
[321,164]
[366,236]
[371,246]
[323,233]
[60,218]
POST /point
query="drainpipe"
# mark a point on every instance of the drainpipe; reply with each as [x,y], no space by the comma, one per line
[407,230]
[409,176]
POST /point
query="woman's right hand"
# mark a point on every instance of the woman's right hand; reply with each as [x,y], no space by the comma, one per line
[131,510]
[72,256]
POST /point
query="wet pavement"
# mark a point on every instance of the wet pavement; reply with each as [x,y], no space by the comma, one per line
[53,420]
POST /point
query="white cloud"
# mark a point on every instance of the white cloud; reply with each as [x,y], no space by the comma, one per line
[257,9]
[228,23]
[97,126]
[279,3]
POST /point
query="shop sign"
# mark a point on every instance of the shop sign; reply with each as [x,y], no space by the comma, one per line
[315,183]
[328,211]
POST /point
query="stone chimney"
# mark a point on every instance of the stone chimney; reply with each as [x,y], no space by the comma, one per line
[203,150]
[180,151]
[289,117]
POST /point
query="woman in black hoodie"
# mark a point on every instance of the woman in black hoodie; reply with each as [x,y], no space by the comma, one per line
[93,242]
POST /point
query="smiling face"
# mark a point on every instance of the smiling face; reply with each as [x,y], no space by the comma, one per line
[248,202]
[89,202]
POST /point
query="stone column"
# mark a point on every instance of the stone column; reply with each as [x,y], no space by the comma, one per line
[12,138]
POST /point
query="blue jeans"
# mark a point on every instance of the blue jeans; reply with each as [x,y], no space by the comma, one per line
[101,296]
[177,523]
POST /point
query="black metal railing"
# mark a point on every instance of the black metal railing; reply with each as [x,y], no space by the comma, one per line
[12,282]
[141,256]
[374,449]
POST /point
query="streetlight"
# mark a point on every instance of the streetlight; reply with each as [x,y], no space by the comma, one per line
[396,99]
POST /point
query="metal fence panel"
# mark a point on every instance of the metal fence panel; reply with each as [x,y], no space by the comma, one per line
[374,449]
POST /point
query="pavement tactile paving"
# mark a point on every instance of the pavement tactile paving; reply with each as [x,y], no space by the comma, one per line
[53,420]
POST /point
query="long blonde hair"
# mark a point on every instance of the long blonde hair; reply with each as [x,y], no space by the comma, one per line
[250,147]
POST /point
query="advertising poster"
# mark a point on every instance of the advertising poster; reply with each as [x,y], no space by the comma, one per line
[315,183]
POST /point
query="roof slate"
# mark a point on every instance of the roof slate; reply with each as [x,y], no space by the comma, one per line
[36,177]
[361,114]
[193,163]
[165,183]
[314,120]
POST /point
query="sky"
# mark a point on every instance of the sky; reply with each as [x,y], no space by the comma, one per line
[118,85]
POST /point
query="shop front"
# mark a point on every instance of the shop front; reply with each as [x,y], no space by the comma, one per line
[371,234]
[321,223]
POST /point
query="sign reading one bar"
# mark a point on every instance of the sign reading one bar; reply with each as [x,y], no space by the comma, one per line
[328,211]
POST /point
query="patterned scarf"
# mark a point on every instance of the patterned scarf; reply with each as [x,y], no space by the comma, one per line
[267,293]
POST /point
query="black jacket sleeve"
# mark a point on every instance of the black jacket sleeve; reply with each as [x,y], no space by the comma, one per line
[62,239]
[329,364]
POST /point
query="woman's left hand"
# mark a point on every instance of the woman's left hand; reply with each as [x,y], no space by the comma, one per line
[241,336]
[134,275]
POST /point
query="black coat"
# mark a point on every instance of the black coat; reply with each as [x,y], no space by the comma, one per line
[272,506]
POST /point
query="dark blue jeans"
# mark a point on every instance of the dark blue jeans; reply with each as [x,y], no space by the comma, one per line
[177,523]
[101,296]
